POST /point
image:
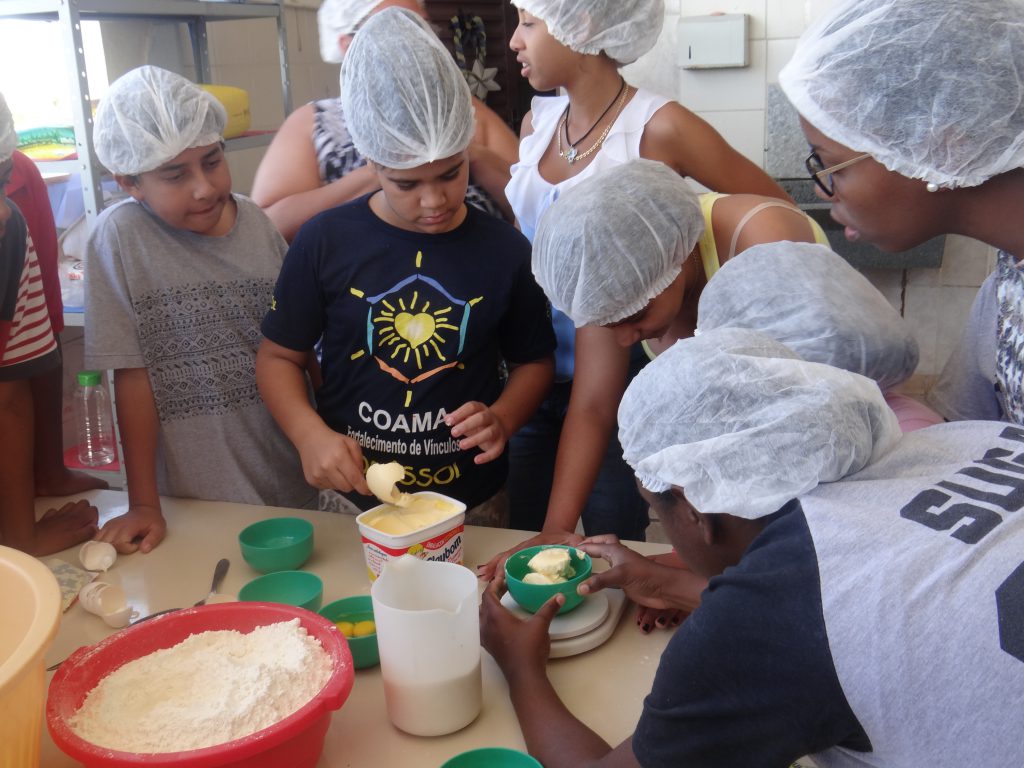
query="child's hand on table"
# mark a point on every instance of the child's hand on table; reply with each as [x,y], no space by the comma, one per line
[141,528]
[477,426]
[333,460]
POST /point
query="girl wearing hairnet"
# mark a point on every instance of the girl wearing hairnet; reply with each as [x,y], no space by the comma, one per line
[312,164]
[601,122]
[914,111]
[864,588]
[631,255]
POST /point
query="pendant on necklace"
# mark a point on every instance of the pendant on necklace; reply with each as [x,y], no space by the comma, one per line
[571,155]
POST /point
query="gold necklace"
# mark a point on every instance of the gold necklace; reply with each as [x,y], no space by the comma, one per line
[571,156]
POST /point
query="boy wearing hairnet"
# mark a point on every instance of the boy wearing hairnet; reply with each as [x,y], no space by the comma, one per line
[28,350]
[418,297]
[866,589]
[179,276]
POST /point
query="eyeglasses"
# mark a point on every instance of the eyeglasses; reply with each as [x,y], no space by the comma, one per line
[822,176]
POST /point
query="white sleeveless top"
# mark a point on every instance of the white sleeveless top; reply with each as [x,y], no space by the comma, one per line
[530,195]
[921,560]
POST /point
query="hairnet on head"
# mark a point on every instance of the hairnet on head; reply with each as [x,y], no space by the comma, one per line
[405,101]
[743,426]
[340,17]
[150,116]
[932,90]
[616,240]
[8,136]
[623,29]
[811,300]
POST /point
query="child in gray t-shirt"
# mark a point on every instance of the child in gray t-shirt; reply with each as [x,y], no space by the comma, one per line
[180,276]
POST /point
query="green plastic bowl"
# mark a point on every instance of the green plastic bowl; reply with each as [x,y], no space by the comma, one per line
[492,757]
[532,596]
[277,544]
[358,608]
[299,588]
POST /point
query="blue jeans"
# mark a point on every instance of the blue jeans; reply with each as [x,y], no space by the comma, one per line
[614,505]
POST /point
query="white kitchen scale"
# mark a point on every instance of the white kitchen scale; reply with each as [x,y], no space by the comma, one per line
[581,629]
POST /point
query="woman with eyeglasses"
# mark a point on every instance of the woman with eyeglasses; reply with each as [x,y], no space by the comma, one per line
[600,121]
[915,114]
[312,165]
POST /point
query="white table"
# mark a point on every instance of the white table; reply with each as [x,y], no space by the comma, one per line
[604,687]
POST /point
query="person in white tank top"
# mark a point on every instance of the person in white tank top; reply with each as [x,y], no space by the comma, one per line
[601,121]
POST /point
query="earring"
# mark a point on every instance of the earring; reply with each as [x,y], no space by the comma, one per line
[931,186]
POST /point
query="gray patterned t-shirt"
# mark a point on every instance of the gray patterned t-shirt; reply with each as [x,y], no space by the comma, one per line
[188,308]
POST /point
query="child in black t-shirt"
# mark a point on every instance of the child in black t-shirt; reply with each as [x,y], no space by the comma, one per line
[416,298]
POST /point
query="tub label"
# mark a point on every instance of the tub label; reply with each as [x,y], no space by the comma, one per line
[446,548]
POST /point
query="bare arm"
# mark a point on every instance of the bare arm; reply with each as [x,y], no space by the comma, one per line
[140,428]
[288,186]
[17,518]
[688,144]
[597,387]
[493,150]
[552,734]
[329,459]
[72,524]
[493,133]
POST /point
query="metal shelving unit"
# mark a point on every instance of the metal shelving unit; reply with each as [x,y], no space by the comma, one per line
[195,13]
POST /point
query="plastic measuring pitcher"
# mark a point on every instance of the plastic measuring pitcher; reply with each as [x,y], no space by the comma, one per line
[428,633]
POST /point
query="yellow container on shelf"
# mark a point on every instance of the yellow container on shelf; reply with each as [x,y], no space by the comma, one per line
[30,606]
[236,103]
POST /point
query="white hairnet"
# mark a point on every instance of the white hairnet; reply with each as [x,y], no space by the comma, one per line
[8,136]
[616,240]
[811,300]
[623,29]
[932,89]
[405,101]
[340,17]
[150,116]
[743,426]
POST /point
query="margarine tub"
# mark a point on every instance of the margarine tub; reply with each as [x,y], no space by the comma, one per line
[429,528]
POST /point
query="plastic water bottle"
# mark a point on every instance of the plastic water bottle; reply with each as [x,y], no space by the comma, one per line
[95,422]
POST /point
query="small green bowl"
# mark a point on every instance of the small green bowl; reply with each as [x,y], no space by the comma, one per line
[299,588]
[531,597]
[358,608]
[492,757]
[277,544]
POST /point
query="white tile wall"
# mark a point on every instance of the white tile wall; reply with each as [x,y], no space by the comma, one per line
[934,301]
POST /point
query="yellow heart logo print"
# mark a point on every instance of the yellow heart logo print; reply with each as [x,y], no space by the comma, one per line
[415,329]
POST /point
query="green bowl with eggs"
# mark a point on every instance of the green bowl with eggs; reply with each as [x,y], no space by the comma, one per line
[355,612]
[531,597]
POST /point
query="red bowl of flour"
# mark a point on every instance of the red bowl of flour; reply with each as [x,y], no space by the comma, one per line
[295,741]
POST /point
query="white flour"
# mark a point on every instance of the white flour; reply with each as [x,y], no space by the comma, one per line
[210,688]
